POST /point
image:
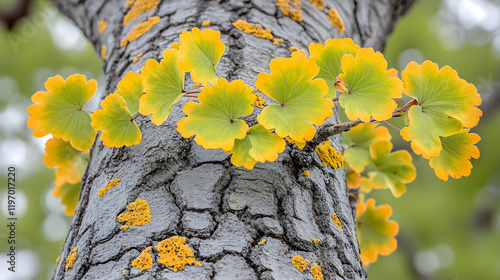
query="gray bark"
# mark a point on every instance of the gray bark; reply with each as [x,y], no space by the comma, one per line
[223,211]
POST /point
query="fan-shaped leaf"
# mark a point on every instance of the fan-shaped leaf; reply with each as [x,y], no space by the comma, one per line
[69,194]
[201,52]
[446,104]
[130,88]
[259,145]
[357,155]
[374,229]
[454,158]
[353,179]
[70,162]
[393,170]
[328,58]
[59,111]
[301,101]
[370,86]
[215,119]
[116,123]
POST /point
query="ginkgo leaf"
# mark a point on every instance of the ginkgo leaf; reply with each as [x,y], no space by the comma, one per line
[446,104]
[353,179]
[201,52]
[328,58]
[374,229]
[130,88]
[454,158]
[70,162]
[163,85]
[60,111]
[116,123]
[259,145]
[301,101]
[69,194]
[357,155]
[215,119]
[370,86]
[393,170]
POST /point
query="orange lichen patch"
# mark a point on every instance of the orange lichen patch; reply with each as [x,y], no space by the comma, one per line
[277,41]
[58,259]
[262,242]
[139,30]
[316,271]
[103,52]
[136,58]
[71,259]
[196,85]
[293,49]
[335,20]
[174,253]
[320,4]
[144,260]
[124,271]
[102,25]
[205,23]
[300,263]
[137,214]
[111,184]
[329,155]
[337,221]
[316,241]
[259,101]
[255,29]
[139,7]
[306,173]
[129,3]
[291,9]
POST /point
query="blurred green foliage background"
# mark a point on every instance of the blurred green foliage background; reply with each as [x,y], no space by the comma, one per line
[448,230]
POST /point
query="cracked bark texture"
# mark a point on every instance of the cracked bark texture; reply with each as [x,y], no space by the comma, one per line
[223,211]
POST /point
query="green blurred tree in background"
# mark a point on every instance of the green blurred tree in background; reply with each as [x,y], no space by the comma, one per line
[448,230]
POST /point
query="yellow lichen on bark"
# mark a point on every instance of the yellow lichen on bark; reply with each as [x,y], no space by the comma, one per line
[329,155]
[316,241]
[320,4]
[139,30]
[337,221]
[174,253]
[262,242]
[71,259]
[137,58]
[205,23]
[300,263]
[255,29]
[335,20]
[103,52]
[144,260]
[58,259]
[196,85]
[277,41]
[306,173]
[259,101]
[316,271]
[293,49]
[138,7]
[291,9]
[129,3]
[111,184]
[137,214]
[102,25]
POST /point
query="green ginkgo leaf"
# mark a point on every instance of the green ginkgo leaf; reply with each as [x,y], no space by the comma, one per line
[130,88]
[454,158]
[214,120]
[446,104]
[369,88]
[359,139]
[201,52]
[329,57]
[301,101]
[116,123]
[69,194]
[163,85]
[259,145]
[60,111]
[393,170]
[69,161]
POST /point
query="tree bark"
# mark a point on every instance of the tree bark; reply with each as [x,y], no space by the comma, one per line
[223,211]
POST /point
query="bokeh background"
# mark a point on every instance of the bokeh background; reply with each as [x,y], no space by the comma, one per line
[448,230]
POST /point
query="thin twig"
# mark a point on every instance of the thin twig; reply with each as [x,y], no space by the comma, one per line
[396,128]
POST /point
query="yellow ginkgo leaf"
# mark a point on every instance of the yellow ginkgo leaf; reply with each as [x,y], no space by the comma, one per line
[130,88]
[201,52]
[370,87]
[454,158]
[60,111]
[70,162]
[69,194]
[116,123]
[301,101]
[374,229]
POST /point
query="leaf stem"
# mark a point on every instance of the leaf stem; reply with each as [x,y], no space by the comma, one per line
[135,116]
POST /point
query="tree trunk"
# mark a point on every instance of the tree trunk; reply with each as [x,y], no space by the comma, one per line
[223,211]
